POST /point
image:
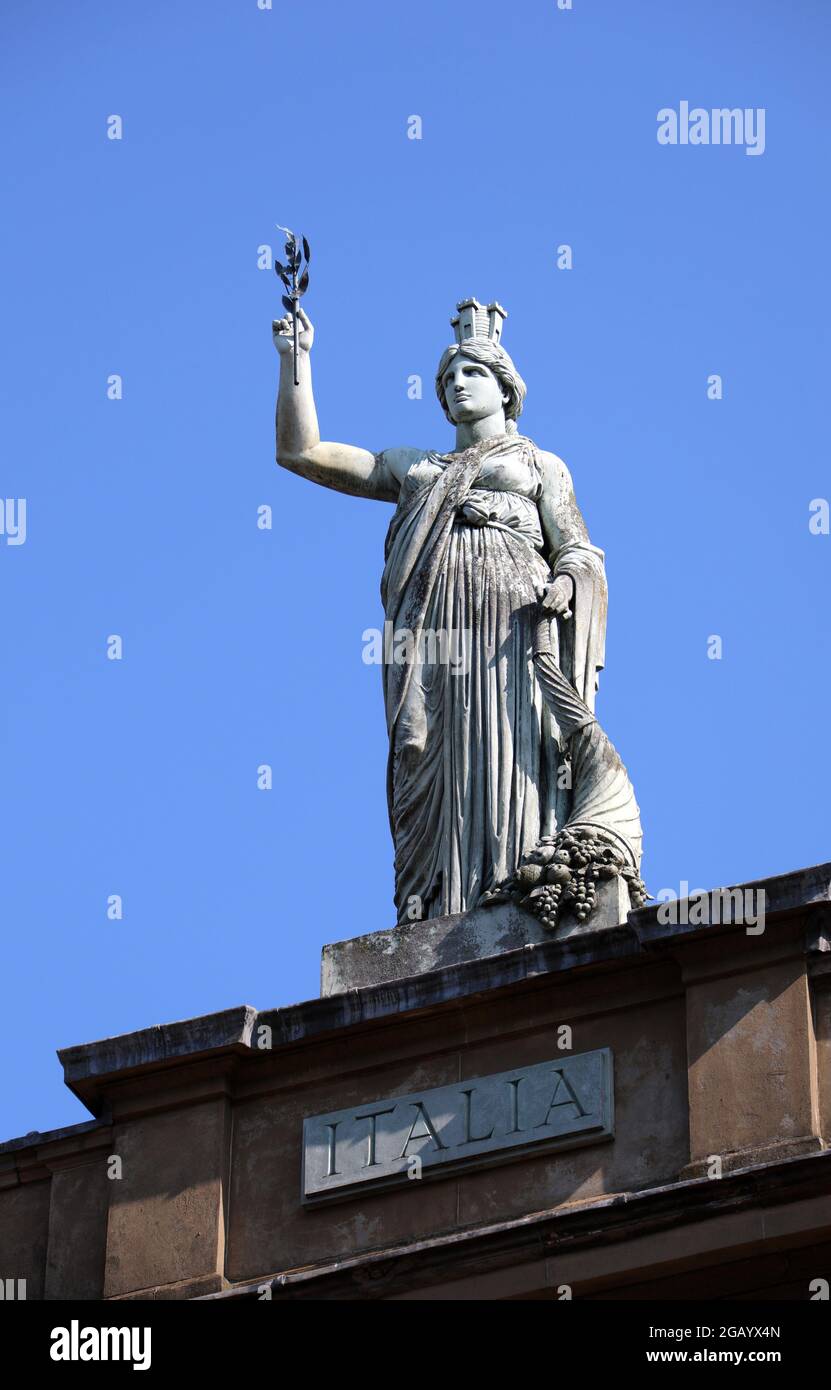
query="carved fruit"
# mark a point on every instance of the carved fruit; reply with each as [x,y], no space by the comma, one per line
[557,873]
[529,874]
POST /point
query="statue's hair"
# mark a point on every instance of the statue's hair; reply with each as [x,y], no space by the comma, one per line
[496,358]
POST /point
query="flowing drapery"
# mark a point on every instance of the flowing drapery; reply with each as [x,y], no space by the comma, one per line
[474,748]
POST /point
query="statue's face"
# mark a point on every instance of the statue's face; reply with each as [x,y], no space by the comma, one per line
[471,390]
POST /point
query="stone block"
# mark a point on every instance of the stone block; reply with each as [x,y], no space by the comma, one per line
[413,948]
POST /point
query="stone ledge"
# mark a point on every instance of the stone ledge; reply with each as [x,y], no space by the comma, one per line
[608,1221]
[738,1159]
[783,893]
[36,1138]
[413,948]
[184,1290]
[639,939]
[210,1032]
[88,1065]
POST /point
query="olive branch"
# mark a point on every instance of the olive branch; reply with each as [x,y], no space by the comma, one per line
[295,282]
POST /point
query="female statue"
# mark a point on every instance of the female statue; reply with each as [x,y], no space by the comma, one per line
[488,546]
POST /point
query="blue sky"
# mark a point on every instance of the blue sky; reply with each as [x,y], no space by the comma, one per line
[243,646]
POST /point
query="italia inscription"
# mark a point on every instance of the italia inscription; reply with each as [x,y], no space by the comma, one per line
[488,1119]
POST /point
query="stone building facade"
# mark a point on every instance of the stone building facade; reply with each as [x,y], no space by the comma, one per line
[707,1174]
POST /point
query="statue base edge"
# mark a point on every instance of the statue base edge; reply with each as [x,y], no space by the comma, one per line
[414,948]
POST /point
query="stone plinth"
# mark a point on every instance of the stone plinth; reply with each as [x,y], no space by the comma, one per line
[415,947]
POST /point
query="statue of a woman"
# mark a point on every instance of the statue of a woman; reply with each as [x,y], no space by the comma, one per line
[487,546]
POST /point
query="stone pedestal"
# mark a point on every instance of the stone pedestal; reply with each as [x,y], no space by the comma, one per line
[415,947]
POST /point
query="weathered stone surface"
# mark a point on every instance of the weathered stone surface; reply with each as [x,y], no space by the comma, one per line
[820,973]
[484,1119]
[759,1228]
[412,948]
[740,1004]
[204,1201]
[149,1046]
[39,1137]
[78,1230]
[166,1220]
[24,1235]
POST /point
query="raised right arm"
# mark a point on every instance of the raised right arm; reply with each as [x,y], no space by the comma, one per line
[300,449]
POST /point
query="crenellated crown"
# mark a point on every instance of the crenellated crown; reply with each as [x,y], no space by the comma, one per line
[475,320]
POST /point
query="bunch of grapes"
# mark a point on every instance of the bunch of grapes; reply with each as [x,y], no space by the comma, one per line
[547,904]
[638,891]
[584,897]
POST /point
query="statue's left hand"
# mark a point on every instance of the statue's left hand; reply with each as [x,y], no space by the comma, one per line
[558,594]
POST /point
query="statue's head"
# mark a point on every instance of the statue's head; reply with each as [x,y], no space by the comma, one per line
[476,377]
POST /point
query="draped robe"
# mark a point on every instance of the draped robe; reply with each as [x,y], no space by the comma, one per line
[472,779]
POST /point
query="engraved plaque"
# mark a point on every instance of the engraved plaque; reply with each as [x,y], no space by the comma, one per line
[488,1119]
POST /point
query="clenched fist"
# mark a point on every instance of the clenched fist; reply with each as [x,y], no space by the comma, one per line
[558,595]
[282,331]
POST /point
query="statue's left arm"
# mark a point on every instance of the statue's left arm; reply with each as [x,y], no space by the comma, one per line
[578,577]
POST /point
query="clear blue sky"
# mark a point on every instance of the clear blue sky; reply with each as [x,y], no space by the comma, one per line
[243,646]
